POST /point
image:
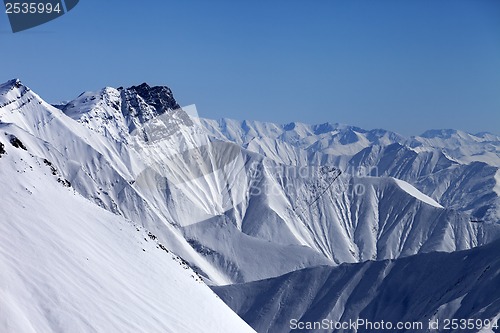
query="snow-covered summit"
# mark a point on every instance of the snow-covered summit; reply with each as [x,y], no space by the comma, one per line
[416,193]
[11,91]
[9,84]
[119,112]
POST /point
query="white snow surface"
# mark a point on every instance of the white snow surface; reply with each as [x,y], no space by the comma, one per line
[497,182]
[67,265]
[416,193]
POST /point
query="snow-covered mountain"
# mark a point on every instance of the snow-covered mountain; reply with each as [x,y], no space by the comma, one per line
[459,170]
[247,201]
[67,265]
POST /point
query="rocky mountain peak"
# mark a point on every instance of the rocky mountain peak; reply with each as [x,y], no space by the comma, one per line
[160,98]
[11,85]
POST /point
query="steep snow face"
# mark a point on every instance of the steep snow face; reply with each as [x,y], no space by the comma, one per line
[464,187]
[101,111]
[70,266]
[496,188]
[434,286]
[416,193]
[372,218]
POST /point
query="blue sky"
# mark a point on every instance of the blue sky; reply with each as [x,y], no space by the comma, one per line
[406,65]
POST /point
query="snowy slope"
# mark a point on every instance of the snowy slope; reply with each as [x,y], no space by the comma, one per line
[70,266]
[435,286]
[416,193]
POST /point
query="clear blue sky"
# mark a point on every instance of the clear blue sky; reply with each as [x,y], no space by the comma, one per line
[405,65]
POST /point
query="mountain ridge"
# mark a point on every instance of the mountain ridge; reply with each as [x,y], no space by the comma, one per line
[244,201]
[415,289]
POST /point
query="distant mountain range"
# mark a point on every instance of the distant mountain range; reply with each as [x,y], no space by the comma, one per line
[261,212]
